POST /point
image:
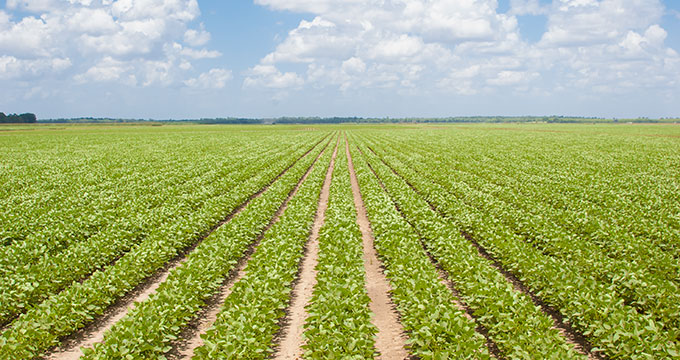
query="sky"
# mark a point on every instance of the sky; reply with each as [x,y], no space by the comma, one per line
[175,59]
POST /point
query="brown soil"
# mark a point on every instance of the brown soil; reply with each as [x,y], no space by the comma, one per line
[94,333]
[444,279]
[290,345]
[71,348]
[191,336]
[573,336]
[391,340]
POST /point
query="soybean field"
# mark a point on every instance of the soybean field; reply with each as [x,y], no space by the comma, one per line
[409,241]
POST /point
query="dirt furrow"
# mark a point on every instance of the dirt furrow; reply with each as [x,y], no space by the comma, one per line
[444,279]
[573,336]
[94,333]
[291,341]
[191,337]
[391,340]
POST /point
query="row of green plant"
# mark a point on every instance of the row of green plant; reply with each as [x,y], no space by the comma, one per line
[339,319]
[606,196]
[251,315]
[593,308]
[35,280]
[436,327]
[53,176]
[40,219]
[649,292]
[60,315]
[514,323]
[149,329]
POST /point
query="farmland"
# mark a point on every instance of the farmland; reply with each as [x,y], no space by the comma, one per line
[456,241]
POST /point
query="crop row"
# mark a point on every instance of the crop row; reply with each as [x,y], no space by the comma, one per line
[339,324]
[513,322]
[592,307]
[33,282]
[148,330]
[436,327]
[88,177]
[648,292]
[60,315]
[251,315]
[567,193]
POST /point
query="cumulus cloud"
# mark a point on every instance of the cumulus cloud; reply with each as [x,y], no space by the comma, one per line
[133,42]
[394,43]
[468,47]
[269,76]
[108,69]
[528,7]
[195,37]
[12,67]
[213,79]
[588,22]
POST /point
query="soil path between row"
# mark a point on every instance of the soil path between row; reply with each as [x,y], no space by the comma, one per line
[71,349]
[391,340]
[572,336]
[290,346]
[192,336]
[444,279]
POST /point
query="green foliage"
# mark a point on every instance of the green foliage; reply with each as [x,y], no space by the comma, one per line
[436,328]
[339,317]
[44,324]
[624,316]
[528,332]
[250,316]
[188,286]
[585,216]
[26,118]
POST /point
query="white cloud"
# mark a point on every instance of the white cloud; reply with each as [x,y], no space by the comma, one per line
[505,78]
[29,37]
[213,79]
[399,43]
[528,7]
[194,53]
[467,47]
[353,65]
[12,67]
[126,41]
[195,37]
[108,69]
[588,22]
[268,76]
[92,21]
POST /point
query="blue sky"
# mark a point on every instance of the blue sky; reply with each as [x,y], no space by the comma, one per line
[397,58]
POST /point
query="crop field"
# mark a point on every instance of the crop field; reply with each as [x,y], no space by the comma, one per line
[410,241]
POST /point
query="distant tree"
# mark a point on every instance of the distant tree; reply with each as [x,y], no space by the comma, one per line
[17,119]
[28,118]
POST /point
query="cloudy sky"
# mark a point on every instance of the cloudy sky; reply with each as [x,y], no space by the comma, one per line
[213,58]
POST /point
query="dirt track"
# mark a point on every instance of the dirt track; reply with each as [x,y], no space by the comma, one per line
[572,336]
[291,340]
[391,340]
[94,333]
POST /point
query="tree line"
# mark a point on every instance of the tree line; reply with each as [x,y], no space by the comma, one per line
[26,118]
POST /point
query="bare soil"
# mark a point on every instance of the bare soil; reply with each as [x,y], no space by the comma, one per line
[95,331]
[190,339]
[391,339]
[291,341]
[444,279]
[572,336]
[90,335]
